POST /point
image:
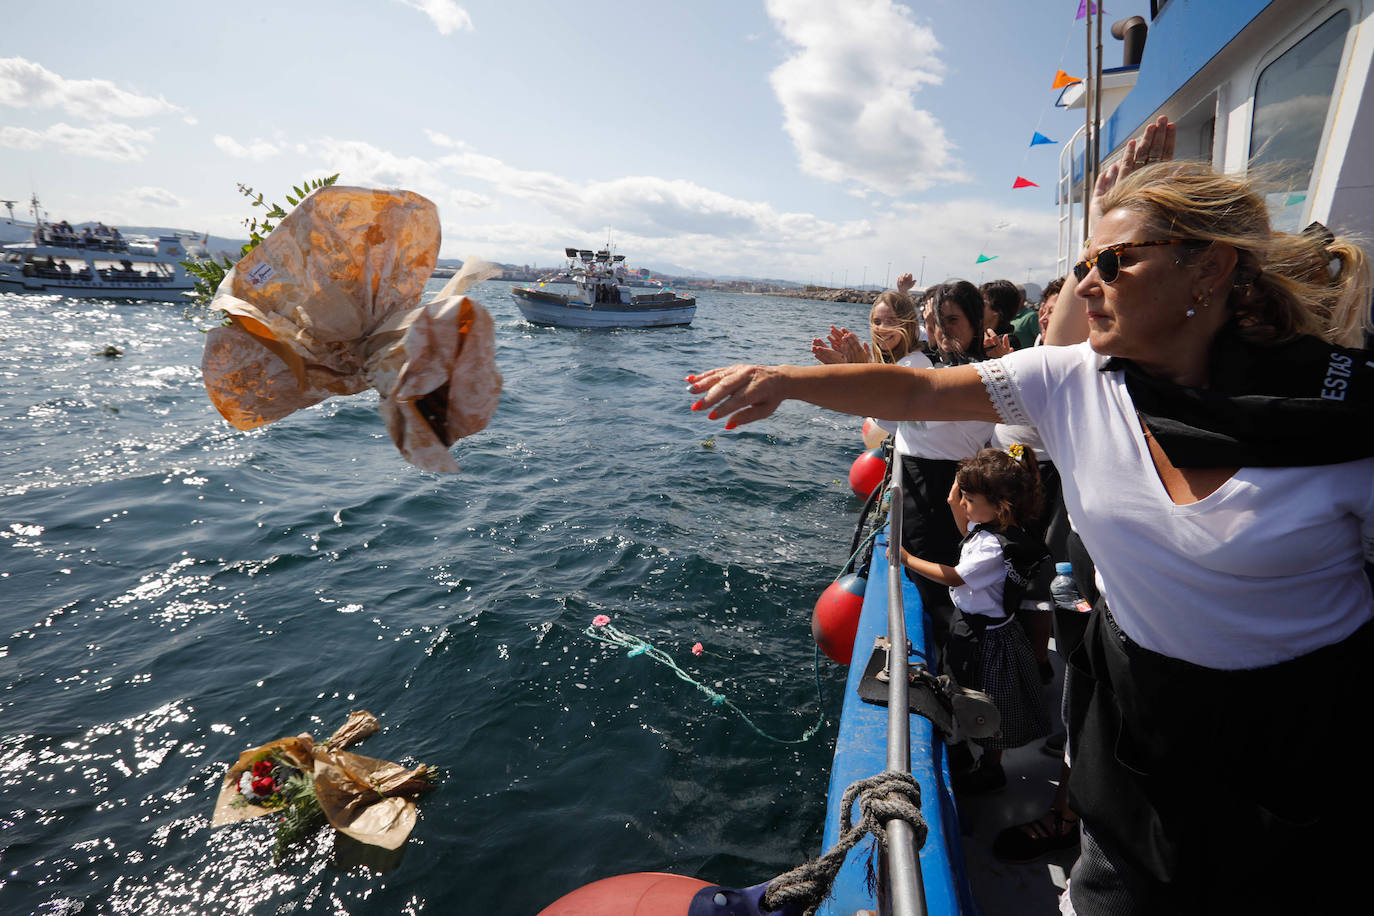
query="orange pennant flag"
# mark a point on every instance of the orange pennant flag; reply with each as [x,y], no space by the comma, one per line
[1062,79]
[1023,183]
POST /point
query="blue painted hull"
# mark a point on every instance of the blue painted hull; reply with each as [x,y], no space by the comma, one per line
[861,751]
[540,307]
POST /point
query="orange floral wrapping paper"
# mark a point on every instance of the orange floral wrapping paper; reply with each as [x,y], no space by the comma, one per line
[371,800]
[329,304]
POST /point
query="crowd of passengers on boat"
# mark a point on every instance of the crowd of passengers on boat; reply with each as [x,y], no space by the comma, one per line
[62,235]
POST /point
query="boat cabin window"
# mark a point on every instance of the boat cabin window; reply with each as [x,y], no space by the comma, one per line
[1292,100]
[1197,131]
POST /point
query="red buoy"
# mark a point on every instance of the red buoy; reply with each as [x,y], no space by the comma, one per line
[866,473]
[639,894]
[836,617]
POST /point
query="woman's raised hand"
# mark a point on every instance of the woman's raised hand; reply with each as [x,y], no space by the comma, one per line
[995,346]
[1156,144]
[905,282]
[742,393]
[825,352]
[849,345]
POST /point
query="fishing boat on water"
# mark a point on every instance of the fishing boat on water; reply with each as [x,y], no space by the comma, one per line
[601,297]
[1276,84]
[94,262]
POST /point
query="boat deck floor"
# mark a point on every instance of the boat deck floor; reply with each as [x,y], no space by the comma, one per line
[1001,888]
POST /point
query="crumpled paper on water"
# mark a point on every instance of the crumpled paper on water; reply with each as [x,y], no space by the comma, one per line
[329,304]
[368,799]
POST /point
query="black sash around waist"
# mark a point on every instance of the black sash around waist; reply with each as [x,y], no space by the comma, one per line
[1206,778]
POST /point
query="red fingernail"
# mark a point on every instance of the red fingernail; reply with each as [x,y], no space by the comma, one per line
[711,415]
[730,425]
[699,404]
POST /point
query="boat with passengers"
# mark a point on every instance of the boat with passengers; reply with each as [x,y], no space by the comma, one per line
[1276,85]
[601,297]
[94,262]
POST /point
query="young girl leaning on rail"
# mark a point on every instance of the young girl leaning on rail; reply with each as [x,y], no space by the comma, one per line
[995,498]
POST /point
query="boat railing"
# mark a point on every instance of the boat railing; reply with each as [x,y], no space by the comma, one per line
[1070,227]
[903,866]
[59,240]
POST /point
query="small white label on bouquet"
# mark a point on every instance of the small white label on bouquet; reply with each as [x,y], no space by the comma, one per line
[261,274]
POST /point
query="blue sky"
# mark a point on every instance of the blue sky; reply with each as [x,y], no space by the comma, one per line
[812,140]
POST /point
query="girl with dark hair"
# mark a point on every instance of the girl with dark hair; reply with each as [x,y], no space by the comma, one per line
[995,498]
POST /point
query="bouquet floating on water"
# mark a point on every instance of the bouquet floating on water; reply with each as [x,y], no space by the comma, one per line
[370,800]
[329,304]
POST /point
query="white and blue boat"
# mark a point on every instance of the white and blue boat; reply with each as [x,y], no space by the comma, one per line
[601,297]
[58,260]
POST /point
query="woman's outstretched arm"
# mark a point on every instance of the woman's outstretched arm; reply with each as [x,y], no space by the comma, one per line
[742,394]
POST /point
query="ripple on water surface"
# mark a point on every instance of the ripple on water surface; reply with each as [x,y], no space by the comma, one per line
[176,591]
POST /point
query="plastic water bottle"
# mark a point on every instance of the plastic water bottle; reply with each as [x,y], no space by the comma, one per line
[1064,590]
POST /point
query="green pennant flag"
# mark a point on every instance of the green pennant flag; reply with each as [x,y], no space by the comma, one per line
[983,258]
[1294,199]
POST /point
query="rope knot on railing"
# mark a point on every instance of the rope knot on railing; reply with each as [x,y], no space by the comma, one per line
[889,795]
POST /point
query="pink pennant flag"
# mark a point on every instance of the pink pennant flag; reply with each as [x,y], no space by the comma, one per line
[1023,183]
[1083,9]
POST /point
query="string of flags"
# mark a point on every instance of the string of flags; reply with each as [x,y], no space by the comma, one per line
[1061,80]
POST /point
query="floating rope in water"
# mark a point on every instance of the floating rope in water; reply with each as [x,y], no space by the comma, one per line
[886,796]
[602,631]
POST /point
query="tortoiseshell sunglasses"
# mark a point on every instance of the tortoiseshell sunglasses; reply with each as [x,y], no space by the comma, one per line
[1109,265]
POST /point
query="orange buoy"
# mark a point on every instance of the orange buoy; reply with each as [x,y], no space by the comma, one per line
[835,619]
[638,894]
[866,473]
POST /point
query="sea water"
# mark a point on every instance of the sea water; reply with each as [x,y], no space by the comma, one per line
[173,591]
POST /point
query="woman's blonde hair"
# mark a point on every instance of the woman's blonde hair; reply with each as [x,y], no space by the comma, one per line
[1285,284]
[905,310]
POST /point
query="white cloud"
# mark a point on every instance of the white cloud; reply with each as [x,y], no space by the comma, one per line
[447,16]
[157,197]
[256,149]
[118,142]
[658,220]
[25,84]
[848,94]
[641,204]
[951,235]
[361,163]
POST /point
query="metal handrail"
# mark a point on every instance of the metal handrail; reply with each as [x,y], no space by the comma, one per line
[905,885]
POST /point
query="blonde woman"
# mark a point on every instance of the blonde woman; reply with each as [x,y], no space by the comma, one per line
[1215,448]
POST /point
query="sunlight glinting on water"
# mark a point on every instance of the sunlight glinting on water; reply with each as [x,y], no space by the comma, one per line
[177,591]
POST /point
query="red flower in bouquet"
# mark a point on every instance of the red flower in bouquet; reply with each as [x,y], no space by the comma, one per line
[263,785]
[262,768]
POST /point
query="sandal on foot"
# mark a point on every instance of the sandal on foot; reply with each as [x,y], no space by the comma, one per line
[1033,839]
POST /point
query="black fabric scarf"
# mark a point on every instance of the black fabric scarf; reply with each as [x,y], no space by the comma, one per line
[1296,404]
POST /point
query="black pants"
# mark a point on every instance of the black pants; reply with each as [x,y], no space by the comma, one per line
[929,532]
[1206,791]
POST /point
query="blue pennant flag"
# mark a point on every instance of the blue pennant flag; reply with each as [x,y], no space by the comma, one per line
[1040,138]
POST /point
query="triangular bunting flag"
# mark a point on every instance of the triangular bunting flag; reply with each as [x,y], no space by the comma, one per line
[1040,138]
[982,258]
[1023,183]
[1062,79]
[1083,9]
[1294,199]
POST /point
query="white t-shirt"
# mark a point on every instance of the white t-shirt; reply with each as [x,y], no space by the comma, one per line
[947,440]
[1267,568]
[984,571]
